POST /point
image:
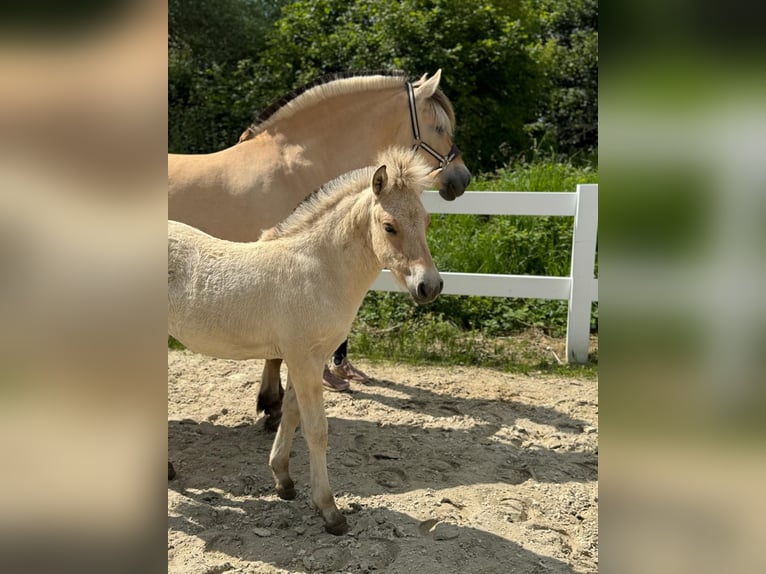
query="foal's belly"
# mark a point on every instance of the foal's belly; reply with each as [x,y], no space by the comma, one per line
[223,348]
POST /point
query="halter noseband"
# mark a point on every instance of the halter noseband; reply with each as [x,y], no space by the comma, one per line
[418,143]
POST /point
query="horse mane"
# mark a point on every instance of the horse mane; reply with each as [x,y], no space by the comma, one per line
[342,83]
[405,169]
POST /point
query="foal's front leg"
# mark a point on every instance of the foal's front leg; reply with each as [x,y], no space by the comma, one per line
[306,380]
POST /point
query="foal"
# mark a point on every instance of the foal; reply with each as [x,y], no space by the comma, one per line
[294,293]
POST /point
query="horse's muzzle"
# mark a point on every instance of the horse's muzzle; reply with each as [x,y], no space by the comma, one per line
[454,179]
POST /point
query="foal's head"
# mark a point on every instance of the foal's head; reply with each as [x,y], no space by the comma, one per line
[399,222]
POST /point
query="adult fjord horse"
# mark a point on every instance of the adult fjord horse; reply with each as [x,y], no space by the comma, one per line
[291,295]
[301,143]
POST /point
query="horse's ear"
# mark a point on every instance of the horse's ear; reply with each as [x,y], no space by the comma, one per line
[379,180]
[422,79]
[428,87]
[246,135]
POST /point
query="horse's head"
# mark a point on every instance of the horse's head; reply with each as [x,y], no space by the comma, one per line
[433,121]
[399,222]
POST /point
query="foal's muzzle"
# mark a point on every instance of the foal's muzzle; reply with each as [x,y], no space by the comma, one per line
[428,293]
[426,289]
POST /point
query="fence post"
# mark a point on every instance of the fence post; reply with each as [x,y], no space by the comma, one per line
[581,274]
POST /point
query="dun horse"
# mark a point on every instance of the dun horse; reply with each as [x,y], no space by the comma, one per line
[301,143]
[292,294]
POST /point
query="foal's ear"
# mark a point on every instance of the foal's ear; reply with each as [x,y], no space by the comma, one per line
[379,180]
[428,87]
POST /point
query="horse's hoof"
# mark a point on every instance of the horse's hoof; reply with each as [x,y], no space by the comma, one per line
[272,423]
[171,471]
[338,526]
[286,492]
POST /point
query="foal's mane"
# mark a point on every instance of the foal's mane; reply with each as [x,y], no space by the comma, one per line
[340,84]
[406,171]
[326,197]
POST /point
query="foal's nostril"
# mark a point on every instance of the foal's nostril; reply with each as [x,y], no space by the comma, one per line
[441,285]
[422,290]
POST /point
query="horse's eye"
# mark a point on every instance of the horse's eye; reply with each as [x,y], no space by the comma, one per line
[389,228]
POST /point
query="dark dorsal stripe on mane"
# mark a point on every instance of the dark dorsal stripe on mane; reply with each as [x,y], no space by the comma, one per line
[442,109]
[274,107]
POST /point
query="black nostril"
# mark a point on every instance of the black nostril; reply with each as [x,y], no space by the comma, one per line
[422,290]
[441,285]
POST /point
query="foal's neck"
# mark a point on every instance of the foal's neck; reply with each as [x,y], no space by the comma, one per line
[341,238]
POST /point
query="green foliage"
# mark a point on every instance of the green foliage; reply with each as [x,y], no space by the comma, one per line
[174,343]
[432,339]
[521,74]
[565,46]
[215,79]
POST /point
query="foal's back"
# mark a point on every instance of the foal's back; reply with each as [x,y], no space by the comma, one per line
[211,290]
[237,300]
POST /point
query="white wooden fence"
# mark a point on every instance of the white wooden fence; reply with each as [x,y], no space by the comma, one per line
[580,288]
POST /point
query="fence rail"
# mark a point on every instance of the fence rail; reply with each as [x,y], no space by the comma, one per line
[580,288]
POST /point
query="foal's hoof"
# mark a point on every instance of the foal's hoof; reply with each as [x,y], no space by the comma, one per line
[338,526]
[286,492]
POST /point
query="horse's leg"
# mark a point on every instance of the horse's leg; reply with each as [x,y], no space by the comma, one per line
[306,380]
[270,393]
[279,459]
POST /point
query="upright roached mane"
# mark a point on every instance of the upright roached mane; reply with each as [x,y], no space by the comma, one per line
[334,85]
[295,293]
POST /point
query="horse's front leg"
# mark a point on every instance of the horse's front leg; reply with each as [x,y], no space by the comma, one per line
[270,394]
[306,378]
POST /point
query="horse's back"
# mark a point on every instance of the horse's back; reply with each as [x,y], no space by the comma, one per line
[236,193]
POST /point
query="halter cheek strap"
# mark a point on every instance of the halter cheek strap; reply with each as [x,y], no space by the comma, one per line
[418,143]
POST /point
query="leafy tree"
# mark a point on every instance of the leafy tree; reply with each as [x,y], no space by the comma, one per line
[491,80]
[565,44]
[214,47]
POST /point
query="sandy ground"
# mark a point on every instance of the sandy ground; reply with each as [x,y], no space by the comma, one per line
[438,470]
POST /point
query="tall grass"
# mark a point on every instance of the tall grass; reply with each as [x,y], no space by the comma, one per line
[450,329]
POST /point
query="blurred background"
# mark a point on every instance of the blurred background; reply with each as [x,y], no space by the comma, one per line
[682,146]
[94,94]
[83,124]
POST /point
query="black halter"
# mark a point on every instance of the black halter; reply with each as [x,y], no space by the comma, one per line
[418,143]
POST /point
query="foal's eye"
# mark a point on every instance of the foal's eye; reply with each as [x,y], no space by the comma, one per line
[389,228]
